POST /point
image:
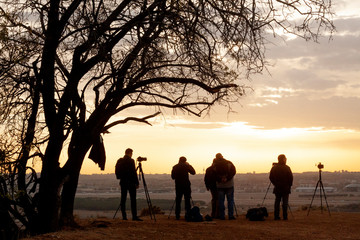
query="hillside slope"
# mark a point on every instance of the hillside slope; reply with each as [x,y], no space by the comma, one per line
[299,227]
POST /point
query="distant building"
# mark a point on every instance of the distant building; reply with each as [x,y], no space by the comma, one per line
[353,187]
[312,189]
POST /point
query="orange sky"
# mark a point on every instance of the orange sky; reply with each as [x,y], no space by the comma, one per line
[249,148]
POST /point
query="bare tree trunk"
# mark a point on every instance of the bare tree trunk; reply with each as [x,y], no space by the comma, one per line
[68,199]
[50,186]
[68,194]
[80,144]
[49,202]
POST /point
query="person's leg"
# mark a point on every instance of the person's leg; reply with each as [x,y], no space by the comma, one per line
[214,203]
[221,194]
[123,201]
[277,206]
[179,194]
[285,204]
[132,193]
[187,196]
[230,201]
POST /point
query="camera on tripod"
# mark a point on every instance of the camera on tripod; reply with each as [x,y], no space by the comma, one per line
[320,166]
[141,159]
[322,190]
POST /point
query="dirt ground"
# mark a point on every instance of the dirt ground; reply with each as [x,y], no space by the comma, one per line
[299,227]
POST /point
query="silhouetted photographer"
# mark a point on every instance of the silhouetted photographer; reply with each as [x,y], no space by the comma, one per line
[282,179]
[126,171]
[180,173]
[225,172]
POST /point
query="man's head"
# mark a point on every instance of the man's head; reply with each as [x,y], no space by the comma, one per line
[282,159]
[182,159]
[219,156]
[129,152]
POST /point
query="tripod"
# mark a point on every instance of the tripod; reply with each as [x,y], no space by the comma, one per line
[148,200]
[322,191]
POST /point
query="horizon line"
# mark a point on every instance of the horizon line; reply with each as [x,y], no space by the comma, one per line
[248,173]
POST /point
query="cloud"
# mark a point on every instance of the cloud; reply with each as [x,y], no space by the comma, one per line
[298,111]
[342,52]
[195,124]
[347,26]
[346,8]
[322,81]
[308,80]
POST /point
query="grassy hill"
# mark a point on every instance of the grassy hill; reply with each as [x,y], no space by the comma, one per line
[316,226]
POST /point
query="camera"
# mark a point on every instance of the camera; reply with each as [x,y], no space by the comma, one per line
[320,166]
[275,163]
[140,159]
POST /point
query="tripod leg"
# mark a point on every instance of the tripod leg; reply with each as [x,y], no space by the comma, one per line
[327,205]
[172,208]
[290,211]
[150,205]
[262,204]
[313,197]
[236,209]
[321,189]
[147,196]
[117,210]
[192,201]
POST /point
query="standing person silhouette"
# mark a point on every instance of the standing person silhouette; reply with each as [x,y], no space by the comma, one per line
[225,172]
[210,183]
[128,183]
[180,173]
[282,179]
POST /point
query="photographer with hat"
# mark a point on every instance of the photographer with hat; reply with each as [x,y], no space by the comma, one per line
[282,179]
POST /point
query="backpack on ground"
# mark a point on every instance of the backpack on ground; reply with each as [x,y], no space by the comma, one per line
[194,215]
[257,214]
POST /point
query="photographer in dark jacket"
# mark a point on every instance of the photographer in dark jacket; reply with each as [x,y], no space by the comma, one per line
[282,179]
[128,182]
[180,173]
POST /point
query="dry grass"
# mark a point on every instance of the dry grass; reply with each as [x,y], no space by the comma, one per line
[299,227]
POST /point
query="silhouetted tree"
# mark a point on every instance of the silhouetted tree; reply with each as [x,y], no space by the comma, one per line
[92,60]
[20,98]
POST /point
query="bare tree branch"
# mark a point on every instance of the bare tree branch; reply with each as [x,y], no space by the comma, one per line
[142,120]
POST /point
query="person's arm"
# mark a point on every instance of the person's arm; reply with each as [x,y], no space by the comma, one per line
[173,173]
[133,169]
[206,179]
[191,170]
[271,176]
[291,177]
[232,171]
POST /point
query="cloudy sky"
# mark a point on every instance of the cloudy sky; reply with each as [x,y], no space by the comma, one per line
[308,109]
